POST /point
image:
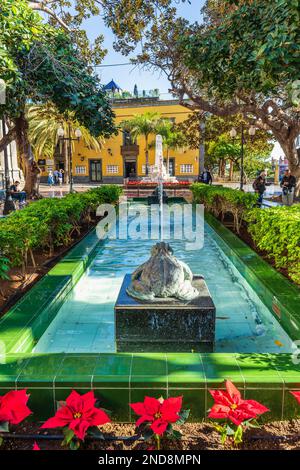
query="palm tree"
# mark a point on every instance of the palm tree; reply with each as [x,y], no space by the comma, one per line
[172,138]
[145,125]
[44,122]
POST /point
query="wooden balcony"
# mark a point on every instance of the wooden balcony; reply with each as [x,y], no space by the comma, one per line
[130,150]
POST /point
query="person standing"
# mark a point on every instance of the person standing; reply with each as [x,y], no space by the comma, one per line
[56,176]
[288,184]
[36,178]
[60,177]
[206,177]
[259,186]
[50,178]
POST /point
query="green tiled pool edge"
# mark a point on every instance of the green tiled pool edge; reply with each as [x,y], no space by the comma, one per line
[23,325]
[280,296]
[119,379]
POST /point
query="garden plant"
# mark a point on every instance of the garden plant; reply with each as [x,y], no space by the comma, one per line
[80,416]
[48,223]
[275,231]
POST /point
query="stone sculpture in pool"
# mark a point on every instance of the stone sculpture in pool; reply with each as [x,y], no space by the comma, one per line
[162,276]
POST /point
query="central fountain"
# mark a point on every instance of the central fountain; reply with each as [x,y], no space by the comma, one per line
[162,306]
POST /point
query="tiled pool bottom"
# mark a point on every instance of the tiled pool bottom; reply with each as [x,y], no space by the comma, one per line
[85,323]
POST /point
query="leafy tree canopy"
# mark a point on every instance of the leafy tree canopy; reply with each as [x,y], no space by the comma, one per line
[127,18]
[255,47]
[220,146]
[41,63]
[216,126]
[44,122]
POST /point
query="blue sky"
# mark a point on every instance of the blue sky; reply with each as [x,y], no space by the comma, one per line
[127,76]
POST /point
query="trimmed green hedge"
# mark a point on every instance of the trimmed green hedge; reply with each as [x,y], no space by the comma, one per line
[206,193]
[220,200]
[276,231]
[48,223]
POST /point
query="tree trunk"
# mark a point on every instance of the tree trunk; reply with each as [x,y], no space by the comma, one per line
[221,167]
[66,160]
[8,139]
[296,172]
[30,167]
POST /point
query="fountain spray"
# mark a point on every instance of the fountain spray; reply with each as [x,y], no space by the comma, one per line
[160,161]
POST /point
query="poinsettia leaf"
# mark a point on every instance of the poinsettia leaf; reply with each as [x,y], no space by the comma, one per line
[218,427]
[95,432]
[251,423]
[223,438]
[69,434]
[1,441]
[184,414]
[229,431]
[60,404]
[176,434]
[74,445]
[108,412]
[4,426]
[238,435]
[147,434]
[169,431]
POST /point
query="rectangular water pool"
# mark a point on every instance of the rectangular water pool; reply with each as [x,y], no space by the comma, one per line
[85,322]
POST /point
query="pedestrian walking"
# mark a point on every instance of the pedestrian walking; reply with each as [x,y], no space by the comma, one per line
[259,186]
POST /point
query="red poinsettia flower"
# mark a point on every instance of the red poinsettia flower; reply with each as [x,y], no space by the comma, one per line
[35,447]
[79,413]
[13,407]
[230,405]
[159,413]
[296,395]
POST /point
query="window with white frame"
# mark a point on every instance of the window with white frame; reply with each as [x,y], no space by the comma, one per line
[112,169]
[186,168]
[150,169]
[80,170]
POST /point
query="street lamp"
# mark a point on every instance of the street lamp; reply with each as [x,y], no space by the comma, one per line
[202,148]
[202,128]
[8,204]
[69,139]
[252,131]
[233,135]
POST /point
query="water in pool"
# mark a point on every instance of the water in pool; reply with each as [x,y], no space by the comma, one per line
[85,323]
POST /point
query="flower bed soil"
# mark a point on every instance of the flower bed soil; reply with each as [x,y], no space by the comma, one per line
[282,435]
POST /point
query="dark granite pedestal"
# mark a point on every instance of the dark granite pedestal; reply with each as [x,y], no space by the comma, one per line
[167,325]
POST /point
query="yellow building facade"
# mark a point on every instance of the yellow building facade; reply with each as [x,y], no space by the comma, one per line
[120,158]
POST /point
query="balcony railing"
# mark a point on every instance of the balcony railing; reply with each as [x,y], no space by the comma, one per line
[131,149]
[139,95]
